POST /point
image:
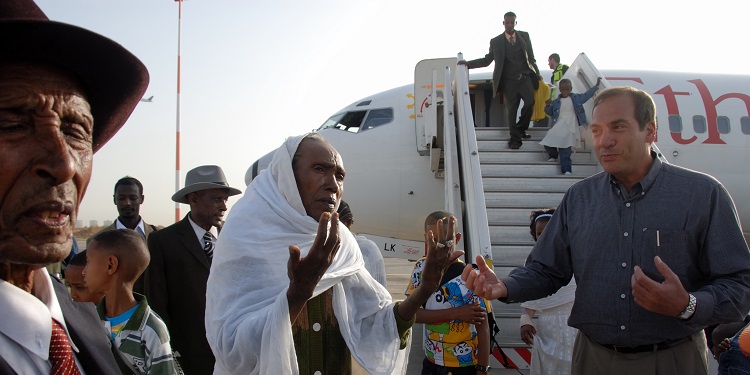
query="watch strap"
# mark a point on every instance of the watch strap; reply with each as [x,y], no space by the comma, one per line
[689,309]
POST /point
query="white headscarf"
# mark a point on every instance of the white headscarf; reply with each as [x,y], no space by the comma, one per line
[247,311]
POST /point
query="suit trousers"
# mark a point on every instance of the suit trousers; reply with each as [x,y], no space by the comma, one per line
[514,90]
[687,358]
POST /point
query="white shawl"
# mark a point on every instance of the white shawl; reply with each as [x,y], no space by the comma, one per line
[247,312]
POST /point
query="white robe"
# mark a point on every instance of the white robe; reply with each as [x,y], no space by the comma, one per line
[247,312]
[565,132]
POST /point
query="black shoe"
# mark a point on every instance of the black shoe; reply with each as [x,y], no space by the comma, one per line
[514,146]
[525,136]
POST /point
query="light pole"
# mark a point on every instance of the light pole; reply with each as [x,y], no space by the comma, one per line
[177,140]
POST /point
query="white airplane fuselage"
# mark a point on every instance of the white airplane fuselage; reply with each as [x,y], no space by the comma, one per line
[703,124]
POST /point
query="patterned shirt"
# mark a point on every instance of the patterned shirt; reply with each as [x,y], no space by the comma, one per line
[601,231]
[143,341]
[450,343]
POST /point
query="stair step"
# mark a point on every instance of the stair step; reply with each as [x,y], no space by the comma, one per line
[522,200]
[490,133]
[559,184]
[523,156]
[510,234]
[509,216]
[551,170]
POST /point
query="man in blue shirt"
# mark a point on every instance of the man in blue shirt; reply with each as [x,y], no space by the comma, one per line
[657,252]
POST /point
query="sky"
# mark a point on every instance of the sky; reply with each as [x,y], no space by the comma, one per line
[256,72]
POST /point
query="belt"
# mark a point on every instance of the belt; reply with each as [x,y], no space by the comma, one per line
[646,348]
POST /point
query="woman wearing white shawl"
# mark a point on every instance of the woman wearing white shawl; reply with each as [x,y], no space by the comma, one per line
[250,299]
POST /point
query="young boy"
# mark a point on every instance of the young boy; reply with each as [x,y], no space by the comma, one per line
[74,278]
[115,260]
[567,115]
[457,333]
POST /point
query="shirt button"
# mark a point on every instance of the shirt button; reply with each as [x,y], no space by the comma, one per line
[625,234]
[622,296]
[317,373]
[627,204]
[644,229]
[316,327]
[624,264]
[622,328]
[643,193]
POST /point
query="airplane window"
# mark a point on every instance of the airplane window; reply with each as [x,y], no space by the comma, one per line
[699,124]
[331,122]
[675,123]
[745,124]
[349,121]
[722,123]
[378,117]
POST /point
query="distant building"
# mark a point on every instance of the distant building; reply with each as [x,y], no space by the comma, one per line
[107,223]
[79,223]
[93,223]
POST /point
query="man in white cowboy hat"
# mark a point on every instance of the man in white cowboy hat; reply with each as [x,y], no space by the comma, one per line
[64,92]
[181,254]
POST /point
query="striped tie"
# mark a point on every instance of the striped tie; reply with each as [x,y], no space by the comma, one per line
[208,244]
[60,353]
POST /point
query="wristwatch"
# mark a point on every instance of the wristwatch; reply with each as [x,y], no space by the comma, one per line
[485,369]
[689,309]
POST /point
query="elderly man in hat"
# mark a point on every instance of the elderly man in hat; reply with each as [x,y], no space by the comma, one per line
[64,92]
[289,292]
[181,254]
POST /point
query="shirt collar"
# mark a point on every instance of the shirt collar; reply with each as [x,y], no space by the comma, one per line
[199,232]
[27,316]
[642,186]
[140,228]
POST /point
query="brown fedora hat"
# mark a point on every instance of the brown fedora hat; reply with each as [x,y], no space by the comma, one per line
[114,79]
[203,178]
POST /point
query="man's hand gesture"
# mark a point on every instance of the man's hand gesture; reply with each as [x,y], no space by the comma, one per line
[441,252]
[305,272]
[667,298]
[484,283]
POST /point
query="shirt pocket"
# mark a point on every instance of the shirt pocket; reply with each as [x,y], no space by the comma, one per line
[671,246]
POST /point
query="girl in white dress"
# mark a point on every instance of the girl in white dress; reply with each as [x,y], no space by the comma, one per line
[551,339]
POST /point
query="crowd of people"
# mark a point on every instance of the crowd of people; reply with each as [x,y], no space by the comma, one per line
[655,251]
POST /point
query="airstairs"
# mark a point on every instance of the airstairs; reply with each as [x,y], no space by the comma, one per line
[495,188]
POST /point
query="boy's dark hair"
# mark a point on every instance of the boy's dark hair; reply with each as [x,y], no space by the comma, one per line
[543,215]
[127,180]
[434,217]
[565,80]
[555,57]
[510,14]
[78,260]
[128,246]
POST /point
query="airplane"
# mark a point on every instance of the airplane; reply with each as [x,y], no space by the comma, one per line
[148,100]
[441,143]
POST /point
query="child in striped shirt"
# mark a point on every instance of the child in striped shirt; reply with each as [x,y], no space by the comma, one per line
[114,261]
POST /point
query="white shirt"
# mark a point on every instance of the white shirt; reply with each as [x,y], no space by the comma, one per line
[140,228]
[199,232]
[26,325]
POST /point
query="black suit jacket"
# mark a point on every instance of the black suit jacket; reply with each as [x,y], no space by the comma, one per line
[175,285]
[87,332]
[497,54]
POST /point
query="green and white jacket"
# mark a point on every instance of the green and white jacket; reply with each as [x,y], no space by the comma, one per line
[143,343]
